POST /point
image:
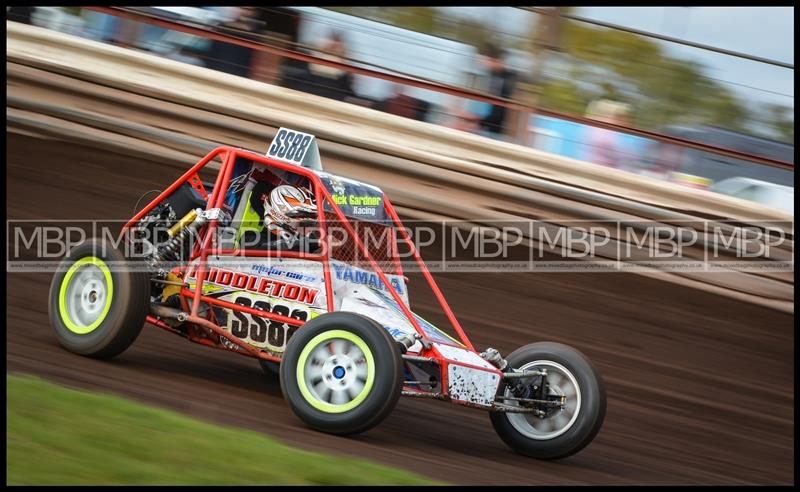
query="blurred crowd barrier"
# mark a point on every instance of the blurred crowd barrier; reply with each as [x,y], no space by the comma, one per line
[475,89]
[67,88]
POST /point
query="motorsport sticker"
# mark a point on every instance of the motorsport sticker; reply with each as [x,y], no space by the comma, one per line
[260,285]
[435,334]
[348,273]
[357,200]
[274,271]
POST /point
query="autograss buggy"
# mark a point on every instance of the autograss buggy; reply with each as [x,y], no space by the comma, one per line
[334,320]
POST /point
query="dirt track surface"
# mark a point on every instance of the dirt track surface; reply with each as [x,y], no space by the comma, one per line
[700,387]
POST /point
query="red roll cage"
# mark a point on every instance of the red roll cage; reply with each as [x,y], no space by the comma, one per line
[228,156]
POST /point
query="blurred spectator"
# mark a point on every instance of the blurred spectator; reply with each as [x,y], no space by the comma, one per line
[501,84]
[605,147]
[324,80]
[228,57]
[333,49]
[402,104]
[125,33]
[280,25]
[20,13]
[494,77]
[663,159]
[466,120]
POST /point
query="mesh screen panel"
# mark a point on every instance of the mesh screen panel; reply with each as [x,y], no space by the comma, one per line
[376,238]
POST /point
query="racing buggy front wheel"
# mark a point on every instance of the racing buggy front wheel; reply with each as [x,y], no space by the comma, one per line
[568,401]
[341,373]
[98,303]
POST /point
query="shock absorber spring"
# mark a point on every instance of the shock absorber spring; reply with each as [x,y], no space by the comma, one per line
[184,228]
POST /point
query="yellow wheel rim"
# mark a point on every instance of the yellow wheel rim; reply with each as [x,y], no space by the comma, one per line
[84,298]
[335,371]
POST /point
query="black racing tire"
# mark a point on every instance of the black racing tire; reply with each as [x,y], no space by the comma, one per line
[590,413]
[121,305]
[373,377]
[270,368]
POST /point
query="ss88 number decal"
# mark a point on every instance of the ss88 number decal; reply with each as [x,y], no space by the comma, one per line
[262,332]
[290,146]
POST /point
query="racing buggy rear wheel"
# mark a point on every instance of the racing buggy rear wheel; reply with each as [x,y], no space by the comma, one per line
[97,303]
[574,396]
[341,373]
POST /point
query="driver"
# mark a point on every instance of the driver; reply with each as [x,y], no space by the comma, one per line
[289,212]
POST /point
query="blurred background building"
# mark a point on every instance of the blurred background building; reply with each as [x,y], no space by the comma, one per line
[619,87]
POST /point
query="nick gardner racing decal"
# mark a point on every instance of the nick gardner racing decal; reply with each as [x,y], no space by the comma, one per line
[355,199]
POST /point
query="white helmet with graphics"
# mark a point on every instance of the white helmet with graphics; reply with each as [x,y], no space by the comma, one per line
[284,209]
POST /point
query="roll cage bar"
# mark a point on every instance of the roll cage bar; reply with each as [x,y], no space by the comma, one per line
[228,156]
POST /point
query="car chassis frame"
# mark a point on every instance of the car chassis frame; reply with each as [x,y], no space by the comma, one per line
[489,363]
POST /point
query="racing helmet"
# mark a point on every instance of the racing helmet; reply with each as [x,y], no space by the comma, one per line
[285,208]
